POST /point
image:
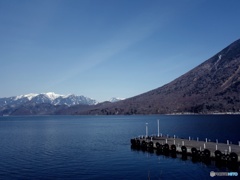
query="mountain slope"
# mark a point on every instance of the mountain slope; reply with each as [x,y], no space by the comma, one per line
[211,87]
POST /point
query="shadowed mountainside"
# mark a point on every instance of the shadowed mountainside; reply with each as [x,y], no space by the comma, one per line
[211,87]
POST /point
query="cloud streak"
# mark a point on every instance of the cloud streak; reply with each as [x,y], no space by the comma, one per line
[130,34]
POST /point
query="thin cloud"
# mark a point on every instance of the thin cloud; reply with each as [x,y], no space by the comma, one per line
[129,35]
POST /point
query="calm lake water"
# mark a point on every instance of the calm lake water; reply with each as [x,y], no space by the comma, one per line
[98,147]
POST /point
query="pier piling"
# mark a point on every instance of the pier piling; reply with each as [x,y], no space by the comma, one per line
[196,148]
[213,149]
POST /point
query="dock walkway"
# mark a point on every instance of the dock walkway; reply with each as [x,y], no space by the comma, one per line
[214,150]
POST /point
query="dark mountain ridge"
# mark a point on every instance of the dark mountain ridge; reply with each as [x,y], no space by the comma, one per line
[211,87]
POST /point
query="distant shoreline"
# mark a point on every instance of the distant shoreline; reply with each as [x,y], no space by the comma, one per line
[215,113]
[169,114]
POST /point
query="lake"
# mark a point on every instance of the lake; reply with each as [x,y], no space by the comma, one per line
[98,147]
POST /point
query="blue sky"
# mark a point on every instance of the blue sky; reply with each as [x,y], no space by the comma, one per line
[108,48]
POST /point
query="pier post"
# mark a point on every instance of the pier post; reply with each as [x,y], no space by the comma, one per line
[166,141]
[174,141]
[183,143]
[204,145]
[151,138]
[189,138]
[230,149]
[227,142]
[158,127]
[206,139]
[146,130]
[175,136]
[216,147]
[161,134]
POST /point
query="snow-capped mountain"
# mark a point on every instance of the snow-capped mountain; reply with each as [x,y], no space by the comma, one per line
[116,99]
[50,97]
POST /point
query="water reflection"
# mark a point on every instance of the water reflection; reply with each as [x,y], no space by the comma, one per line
[233,166]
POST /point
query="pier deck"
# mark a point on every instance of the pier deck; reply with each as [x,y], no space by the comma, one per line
[200,146]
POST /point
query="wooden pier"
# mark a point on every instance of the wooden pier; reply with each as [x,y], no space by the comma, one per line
[203,150]
[195,148]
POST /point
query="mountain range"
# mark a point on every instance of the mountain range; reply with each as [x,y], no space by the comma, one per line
[50,97]
[211,87]
[33,103]
[44,103]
